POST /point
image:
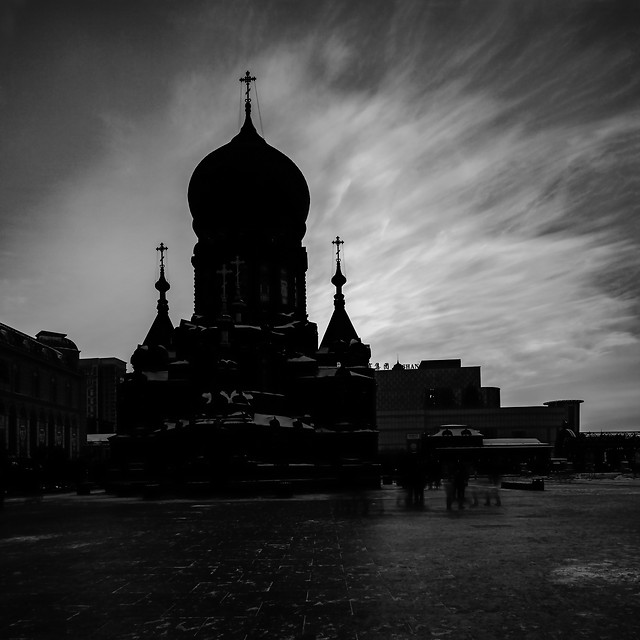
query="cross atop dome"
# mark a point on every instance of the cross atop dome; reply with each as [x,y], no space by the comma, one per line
[247,79]
[338,279]
[162,248]
[337,242]
[224,272]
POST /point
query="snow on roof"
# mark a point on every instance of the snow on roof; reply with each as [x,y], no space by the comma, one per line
[99,438]
[259,419]
[455,430]
[156,376]
[289,325]
[513,442]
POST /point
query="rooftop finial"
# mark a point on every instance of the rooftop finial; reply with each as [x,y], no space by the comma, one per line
[162,285]
[161,332]
[162,248]
[247,79]
[337,242]
[237,263]
[338,279]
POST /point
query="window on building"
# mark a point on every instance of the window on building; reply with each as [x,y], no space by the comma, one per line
[5,374]
[35,384]
[265,292]
[471,397]
[284,286]
[17,386]
[3,426]
[440,398]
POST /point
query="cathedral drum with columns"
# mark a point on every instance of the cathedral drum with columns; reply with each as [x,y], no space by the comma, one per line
[242,390]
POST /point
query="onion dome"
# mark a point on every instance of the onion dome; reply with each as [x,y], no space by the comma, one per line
[248,190]
[338,280]
[153,357]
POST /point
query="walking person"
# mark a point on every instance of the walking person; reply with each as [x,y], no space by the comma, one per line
[460,481]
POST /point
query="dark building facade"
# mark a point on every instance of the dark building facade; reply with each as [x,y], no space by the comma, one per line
[41,395]
[421,399]
[102,378]
[244,377]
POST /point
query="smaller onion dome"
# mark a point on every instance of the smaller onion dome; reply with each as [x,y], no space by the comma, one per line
[150,358]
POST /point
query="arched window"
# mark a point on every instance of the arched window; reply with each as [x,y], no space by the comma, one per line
[23,434]
[265,289]
[33,432]
[5,374]
[284,286]
[59,433]
[16,378]
[35,384]
[42,430]
[51,431]
[13,431]
[3,427]
[68,439]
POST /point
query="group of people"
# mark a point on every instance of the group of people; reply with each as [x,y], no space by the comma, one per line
[458,489]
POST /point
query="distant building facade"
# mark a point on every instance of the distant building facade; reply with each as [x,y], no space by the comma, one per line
[420,399]
[102,378]
[41,395]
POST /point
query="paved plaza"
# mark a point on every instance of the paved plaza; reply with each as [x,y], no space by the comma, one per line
[563,563]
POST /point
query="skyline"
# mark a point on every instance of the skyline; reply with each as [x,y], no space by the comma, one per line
[480,161]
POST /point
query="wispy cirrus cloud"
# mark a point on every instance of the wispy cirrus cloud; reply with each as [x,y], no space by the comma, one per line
[481,162]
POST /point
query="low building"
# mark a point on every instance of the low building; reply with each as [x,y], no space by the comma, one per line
[420,399]
[41,395]
[102,379]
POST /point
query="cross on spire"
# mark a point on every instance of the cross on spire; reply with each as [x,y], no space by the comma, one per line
[162,248]
[224,272]
[337,242]
[247,79]
[236,263]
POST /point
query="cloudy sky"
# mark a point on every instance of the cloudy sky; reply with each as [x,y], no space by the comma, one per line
[481,160]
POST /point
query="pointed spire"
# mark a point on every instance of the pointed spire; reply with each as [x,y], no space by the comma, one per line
[161,331]
[340,327]
[162,285]
[338,280]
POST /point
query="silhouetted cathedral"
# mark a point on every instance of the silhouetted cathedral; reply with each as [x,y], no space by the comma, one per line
[243,382]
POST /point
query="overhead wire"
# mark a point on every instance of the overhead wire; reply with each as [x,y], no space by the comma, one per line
[255,85]
[240,109]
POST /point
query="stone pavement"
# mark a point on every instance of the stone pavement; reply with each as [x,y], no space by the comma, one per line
[563,563]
